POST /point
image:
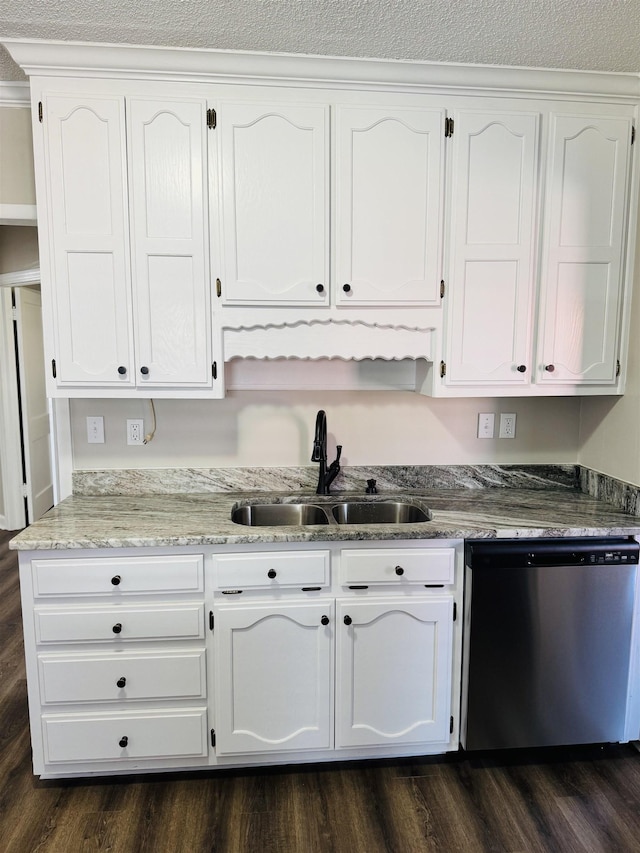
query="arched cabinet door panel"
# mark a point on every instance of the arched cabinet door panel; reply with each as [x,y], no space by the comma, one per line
[275,203]
[389,185]
[491,276]
[583,257]
[88,239]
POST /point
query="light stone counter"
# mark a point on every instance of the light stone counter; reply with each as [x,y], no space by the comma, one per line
[148,520]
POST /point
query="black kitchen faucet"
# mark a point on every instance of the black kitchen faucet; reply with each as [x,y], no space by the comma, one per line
[326,476]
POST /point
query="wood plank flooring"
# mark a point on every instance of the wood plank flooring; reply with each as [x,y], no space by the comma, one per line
[577,800]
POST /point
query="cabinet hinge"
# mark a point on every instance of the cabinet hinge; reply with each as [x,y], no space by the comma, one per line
[25,490]
[455,611]
[213,737]
[633,134]
[211,620]
[212,119]
[218,288]
[450,725]
[442,289]
[448,127]
[617,367]
[40,115]
[214,369]
[443,369]
[53,367]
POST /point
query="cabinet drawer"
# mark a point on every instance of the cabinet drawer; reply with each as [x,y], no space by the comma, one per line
[118,624]
[275,570]
[390,566]
[122,737]
[117,575]
[122,677]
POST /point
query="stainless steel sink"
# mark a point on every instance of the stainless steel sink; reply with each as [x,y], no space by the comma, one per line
[378,512]
[345,512]
[275,515]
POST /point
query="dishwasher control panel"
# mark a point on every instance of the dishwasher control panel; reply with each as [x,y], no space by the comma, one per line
[522,553]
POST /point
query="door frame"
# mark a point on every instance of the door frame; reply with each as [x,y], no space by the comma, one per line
[11,473]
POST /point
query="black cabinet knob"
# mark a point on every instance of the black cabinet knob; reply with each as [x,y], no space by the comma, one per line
[123,741]
[122,370]
[117,628]
[346,288]
[399,570]
[550,368]
[325,620]
[144,371]
[115,580]
[121,681]
[348,620]
[271,573]
[521,368]
[320,288]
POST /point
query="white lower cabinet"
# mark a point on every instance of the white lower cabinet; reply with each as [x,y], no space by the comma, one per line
[274,676]
[393,680]
[146,660]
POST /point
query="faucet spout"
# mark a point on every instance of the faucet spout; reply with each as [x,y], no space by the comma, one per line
[326,476]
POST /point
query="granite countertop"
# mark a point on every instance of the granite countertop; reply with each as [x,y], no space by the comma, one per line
[122,521]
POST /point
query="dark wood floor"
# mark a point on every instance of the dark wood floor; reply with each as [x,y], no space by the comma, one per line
[585,799]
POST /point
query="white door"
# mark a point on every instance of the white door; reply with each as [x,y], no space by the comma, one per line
[87,209]
[583,259]
[273,677]
[389,186]
[491,275]
[275,191]
[169,241]
[393,671]
[34,404]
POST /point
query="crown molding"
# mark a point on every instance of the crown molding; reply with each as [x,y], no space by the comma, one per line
[39,57]
[15,94]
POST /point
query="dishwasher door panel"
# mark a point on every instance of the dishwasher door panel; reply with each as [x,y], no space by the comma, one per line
[548,658]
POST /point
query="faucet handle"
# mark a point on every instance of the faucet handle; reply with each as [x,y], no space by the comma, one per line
[338,452]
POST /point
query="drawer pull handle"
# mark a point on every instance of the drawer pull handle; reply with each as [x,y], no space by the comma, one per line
[348,620]
[271,573]
[117,628]
[399,570]
[123,741]
[122,370]
[325,620]
[115,580]
[121,681]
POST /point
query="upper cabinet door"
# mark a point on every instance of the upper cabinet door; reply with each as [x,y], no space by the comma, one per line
[492,259]
[169,241]
[88,239]
[583,267]
[389,186]
[275,179]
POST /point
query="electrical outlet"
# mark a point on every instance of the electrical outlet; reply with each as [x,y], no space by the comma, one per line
[486,424]
[135,431]
[95,430]
[507,425]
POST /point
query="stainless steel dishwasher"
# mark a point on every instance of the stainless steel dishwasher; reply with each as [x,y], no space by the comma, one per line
[547,641]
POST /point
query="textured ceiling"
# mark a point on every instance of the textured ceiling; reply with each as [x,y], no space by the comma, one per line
[602,35]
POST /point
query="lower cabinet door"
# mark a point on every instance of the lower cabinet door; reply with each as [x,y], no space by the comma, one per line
[393,671]
[122,737]
[274,676]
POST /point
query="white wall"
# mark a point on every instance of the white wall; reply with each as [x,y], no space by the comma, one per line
[610,426]
[275,428]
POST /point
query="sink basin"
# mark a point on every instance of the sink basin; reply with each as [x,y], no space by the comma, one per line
[379,512]
[275,515]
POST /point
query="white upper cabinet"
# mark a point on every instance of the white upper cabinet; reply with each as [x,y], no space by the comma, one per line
[128,244]
[88,240]
[494,173]
[169,225]
[389,181]
[583,260]
[275,216]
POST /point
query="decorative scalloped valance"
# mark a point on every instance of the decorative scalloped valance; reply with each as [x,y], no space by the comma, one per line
[331,338]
